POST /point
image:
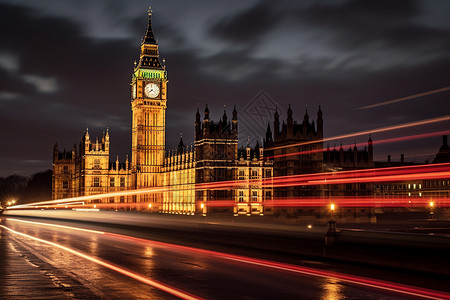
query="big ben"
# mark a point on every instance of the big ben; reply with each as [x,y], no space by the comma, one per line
[148,105]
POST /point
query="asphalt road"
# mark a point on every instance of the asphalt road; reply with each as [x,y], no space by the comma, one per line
[66,263]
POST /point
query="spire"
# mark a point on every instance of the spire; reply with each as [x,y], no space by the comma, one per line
[268,132]
[149,58]
[197,116]
[224,118]
[306,116]
[149,37]
[206,113]
[234,113]
[181,146]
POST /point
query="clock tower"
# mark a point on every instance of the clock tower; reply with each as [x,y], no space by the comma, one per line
[148,105]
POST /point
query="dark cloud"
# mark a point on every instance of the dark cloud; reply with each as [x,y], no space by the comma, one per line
[389,24]
[342,55]
[247,26]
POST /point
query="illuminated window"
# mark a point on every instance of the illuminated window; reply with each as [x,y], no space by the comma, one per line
[97,163]
[254,174]
[111,182]
[96,181]
[65,184]
[122,181]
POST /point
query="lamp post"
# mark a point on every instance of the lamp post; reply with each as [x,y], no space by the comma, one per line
[431,215]
[331,235]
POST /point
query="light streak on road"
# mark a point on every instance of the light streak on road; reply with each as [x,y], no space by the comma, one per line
[64,201]
[432,92]
[55,225]
[353,279]
[166,288]
[357,280]
[367,132]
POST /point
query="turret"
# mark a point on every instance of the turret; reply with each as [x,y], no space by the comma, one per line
[268,133]
[234,122]
[74,151]
[319,123]
[370,149]
[305,122]
[224,119]
[55,152]
[276,124]
[290,120]
[206,117]
[181,147]
[197,125]
[87,141]
[107,140]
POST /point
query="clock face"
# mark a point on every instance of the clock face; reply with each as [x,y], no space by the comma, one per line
[134,91]
[151,90]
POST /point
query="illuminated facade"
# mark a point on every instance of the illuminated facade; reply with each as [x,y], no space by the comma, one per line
[87,171]
[182,172]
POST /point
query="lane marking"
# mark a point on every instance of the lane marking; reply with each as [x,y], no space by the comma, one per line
[357,280]
[55,225]
[171,290]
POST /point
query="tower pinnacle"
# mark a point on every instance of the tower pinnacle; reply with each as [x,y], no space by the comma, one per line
[149,37]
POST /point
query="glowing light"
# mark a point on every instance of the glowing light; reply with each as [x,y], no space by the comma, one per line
[431,204]
[148,281]
[332,206]
[202,205]
[357,280]
[366,132]
[150,205]
[309,226]
[55,225]
[407,98]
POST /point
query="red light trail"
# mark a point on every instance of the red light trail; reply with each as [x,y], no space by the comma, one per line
[171,290]
[377,142]
[308,271]
[372,131]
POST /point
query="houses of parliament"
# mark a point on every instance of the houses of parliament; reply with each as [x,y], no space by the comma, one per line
[187,175]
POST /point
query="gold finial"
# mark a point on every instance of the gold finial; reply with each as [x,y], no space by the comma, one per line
[150,11]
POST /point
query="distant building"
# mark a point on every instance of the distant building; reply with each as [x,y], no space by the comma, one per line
[416,190]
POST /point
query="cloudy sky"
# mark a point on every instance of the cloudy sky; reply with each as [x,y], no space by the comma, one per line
[66,65]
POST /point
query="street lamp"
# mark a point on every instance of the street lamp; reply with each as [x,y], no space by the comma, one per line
[331,235]
[431,215]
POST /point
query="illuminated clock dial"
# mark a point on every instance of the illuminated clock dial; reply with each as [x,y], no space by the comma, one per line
[134,91]
[151,90]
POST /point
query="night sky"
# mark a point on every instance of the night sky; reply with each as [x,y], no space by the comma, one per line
[66,65]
